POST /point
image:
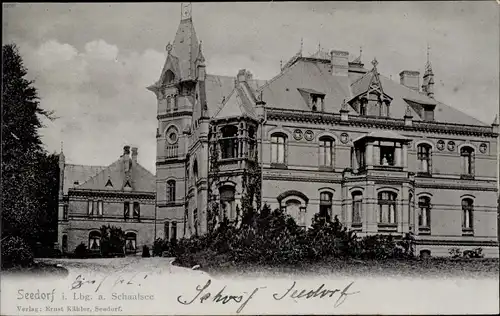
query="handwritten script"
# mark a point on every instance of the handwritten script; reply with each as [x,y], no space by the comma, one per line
[203,294]
[82,282]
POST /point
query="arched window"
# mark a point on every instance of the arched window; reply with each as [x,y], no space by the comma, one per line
[424,158]
[227,202]
[387,207]
[293,208]
[171,191]
[357,208]
[424,215]
[467,154]
[467,214]
[94,240]
[130,242]
[169,76]
[278,148]
[325,204]
[64,243]
[229,142]
[326,151]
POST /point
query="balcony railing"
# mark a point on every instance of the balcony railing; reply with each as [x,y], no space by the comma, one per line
[171,151]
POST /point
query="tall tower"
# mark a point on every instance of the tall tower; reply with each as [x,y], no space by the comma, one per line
[180,93]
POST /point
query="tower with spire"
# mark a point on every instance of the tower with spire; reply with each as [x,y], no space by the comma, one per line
[183,123]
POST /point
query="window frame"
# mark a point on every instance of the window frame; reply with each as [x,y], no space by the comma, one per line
[126,209]
[229,142]
[467,154]
[326,143]
[424,154]
[94,236]
[127,239]
[170,191]
[424,208]
[326,204]
[357,206]
[467,214]
[136,206]
[279,141]
[390,200]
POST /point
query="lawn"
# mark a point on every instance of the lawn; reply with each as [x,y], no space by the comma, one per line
[432,267]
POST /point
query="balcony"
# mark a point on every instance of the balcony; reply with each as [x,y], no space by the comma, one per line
[171,151]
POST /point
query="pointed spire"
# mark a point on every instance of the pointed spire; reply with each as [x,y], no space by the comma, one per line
[428,84]
[62,143]
[495,121]
[360,52]
[281,64]
[301,45]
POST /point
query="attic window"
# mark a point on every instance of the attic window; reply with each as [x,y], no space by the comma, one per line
[428,114]
[109,184]
[317,101]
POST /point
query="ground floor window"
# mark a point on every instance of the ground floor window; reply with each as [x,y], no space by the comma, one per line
[65,243]
[357,208]
[94,240]
[130,242]
[387,208]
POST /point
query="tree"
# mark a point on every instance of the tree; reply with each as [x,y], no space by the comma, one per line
[112,241]
[21,149]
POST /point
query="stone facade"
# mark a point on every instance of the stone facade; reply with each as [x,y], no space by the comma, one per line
[121,195]
[327,135]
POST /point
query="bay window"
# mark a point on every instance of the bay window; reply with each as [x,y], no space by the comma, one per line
[387,208]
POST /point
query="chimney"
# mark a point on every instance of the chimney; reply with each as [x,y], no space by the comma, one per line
[410,79]
[134,154]
[340,62]
[242,75]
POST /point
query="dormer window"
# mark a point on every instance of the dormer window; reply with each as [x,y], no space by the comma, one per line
[428,114]
[314,99]
[317,102]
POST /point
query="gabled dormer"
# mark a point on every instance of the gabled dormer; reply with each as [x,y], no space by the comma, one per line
[424,109]
[314,99]
[369,96]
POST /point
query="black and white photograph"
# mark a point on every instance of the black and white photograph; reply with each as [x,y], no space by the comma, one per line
[250,158]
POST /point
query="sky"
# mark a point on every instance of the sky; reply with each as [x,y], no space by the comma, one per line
[92,62]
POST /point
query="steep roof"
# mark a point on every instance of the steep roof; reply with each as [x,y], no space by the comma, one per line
[239,103]
[78,173]
[219,89]
[282,91]
[141,179]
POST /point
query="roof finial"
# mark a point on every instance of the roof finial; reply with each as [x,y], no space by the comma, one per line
[301,45]
[62,143]
[360,52]
[374,63]
[428,52]
[185,10]
[319,47]
[281,64]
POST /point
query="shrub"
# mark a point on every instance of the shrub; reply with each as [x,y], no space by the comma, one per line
[455,252]
[474,253]
[145,252]
[16,253]
[81,251]
[112,241]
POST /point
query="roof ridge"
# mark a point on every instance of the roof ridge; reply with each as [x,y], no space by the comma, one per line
[100,172]
[225,102]
[80,165]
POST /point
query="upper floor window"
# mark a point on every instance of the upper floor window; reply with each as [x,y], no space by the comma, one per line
[317,102]
[170,191]
[357,208]
[325,204]
[424,215]
[278,148]
[467,216]
[65,243]
[195,171]
[137,210]
[100,207]
[384,109]
[126,210]
[387,207]
[90,207]
[229,142]
[65,212]
[424,158]
[326,151]
[362,108]
[467,154]
[411,220]
[386,152]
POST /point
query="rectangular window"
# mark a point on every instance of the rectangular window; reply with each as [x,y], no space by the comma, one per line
[65,212]
[357,208]
[126,210]
[137,210]
[467,217]
[278,149]
[424,158]
[302,217]
[387,208]
[99,207]
[90,207]
[166,230]
[386,156]
[174,230]
[424,215]
[428,115]
[195,221]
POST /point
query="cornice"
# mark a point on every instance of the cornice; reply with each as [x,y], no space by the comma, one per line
[111,194]
[375,122]
[444,242]
[174,114]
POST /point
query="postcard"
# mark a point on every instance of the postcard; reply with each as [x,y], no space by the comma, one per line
[281,158]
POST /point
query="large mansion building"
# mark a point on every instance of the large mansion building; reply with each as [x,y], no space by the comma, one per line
[329,135]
